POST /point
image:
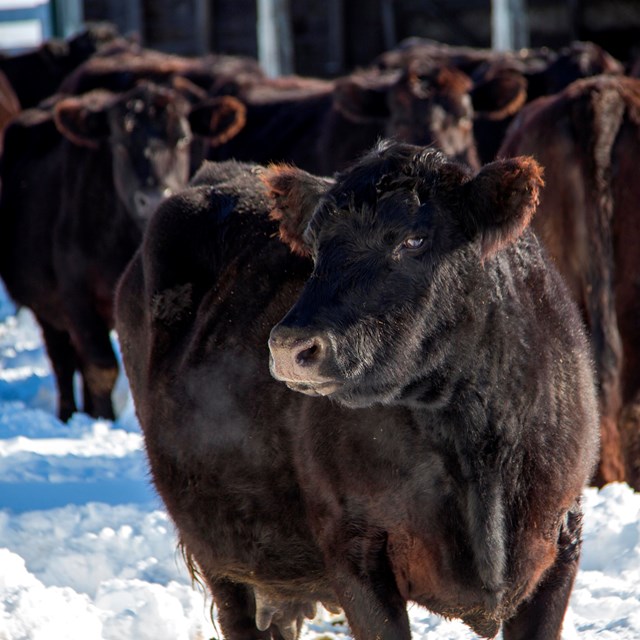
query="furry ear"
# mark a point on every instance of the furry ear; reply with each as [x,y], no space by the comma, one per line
[219,119]
[189,90]
[500,96]
[362,98]
[82,125]
[500,201]
[295,195]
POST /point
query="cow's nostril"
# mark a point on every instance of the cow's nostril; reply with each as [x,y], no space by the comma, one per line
[309,356]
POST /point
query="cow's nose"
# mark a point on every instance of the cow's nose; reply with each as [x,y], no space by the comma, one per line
[146,202]
[299,357]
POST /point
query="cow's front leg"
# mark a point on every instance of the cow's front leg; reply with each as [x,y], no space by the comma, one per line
[64,363]
[98,363]
[367,591]
[541,617]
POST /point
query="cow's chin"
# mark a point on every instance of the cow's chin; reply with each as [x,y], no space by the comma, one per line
[314,388]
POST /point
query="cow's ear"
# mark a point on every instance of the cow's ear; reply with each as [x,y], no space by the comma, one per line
[500,201]
[85,127]
[360,100]
[501,96]
[295,195]
[189,90]
[219,119]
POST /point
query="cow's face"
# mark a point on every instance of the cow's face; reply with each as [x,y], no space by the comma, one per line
[434,107]
[148,133]
[396,242]
[149,138]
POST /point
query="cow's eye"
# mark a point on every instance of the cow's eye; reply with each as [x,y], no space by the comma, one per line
[412,244]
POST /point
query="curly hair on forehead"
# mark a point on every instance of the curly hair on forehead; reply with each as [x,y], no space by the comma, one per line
[397,165]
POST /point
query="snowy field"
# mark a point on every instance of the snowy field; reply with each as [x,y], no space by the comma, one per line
[87,551]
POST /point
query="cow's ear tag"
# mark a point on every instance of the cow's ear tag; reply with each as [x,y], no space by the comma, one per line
[500,202]
[85,127]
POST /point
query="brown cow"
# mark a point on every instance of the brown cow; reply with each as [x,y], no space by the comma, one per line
[81,176]
[588,138]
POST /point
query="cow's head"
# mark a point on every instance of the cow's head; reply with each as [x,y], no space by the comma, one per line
[398,243]
[432,106]
[148,133]
[419,105]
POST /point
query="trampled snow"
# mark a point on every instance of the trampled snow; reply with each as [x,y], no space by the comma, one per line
[87,551]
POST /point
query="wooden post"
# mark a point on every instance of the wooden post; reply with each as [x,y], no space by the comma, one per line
[520,24]
[67,17]
[509,25]
[388,24]
[202,25]
[275,40]
[335,37]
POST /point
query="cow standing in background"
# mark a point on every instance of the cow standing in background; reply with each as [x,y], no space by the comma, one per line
[588,139]
[80,178]
[440,421]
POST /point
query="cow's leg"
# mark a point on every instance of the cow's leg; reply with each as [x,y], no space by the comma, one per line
[64,363]
[237,611]
[87,399]
[99,366]
[98,381]
[540,617]
[367,591]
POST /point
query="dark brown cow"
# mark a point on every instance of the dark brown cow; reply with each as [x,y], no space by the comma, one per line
[445,466]
[80,177]
[588,138]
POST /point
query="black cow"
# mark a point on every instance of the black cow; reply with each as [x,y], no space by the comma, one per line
[430,298]
[447,422]
[80,177]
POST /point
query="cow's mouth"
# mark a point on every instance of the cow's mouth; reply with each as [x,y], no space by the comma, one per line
[314,389]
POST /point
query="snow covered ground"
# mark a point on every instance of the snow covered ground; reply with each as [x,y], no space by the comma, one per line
[87,551]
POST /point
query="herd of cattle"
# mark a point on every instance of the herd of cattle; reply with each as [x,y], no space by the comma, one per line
[360,379]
